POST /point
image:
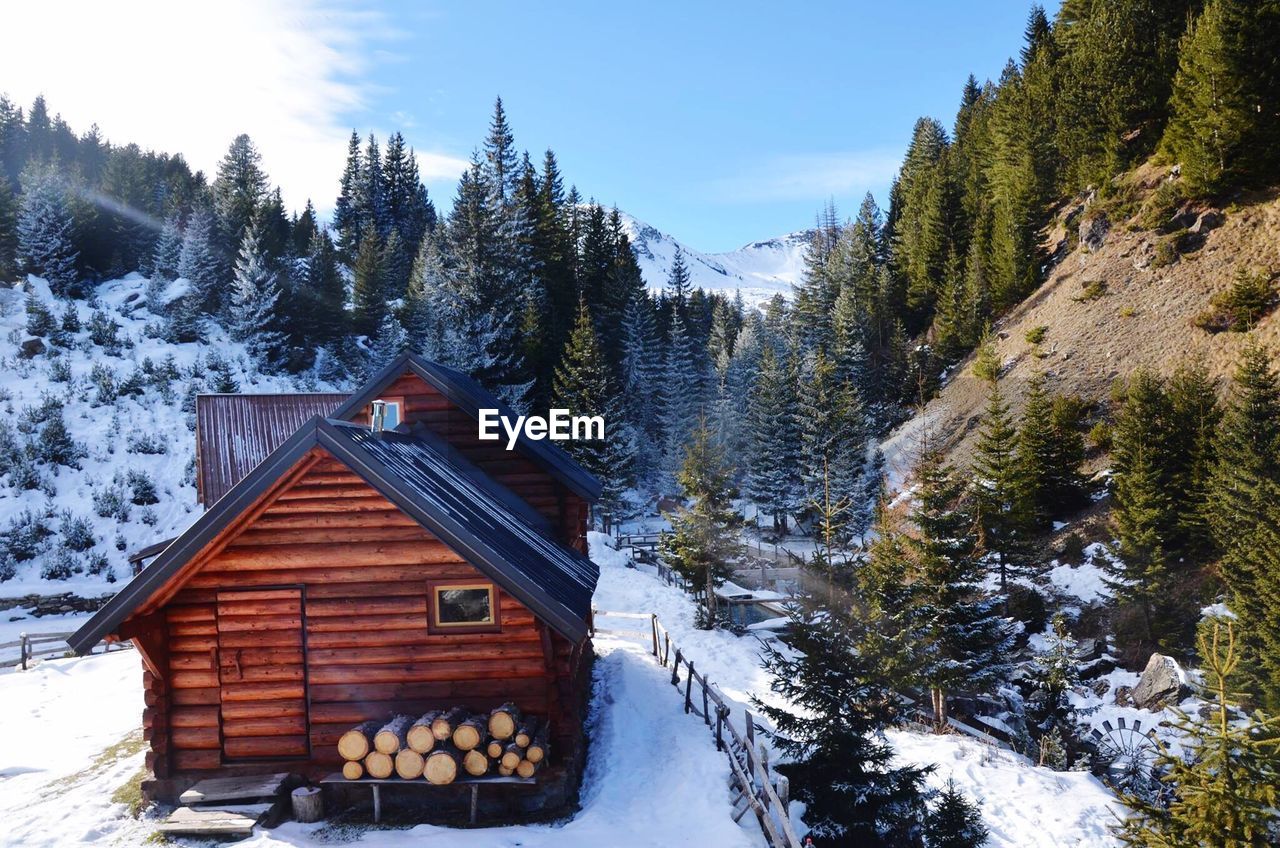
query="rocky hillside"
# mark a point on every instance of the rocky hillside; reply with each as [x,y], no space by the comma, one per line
[1120,295]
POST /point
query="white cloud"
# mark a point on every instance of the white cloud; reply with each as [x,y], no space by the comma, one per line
[187,78]
[810,176]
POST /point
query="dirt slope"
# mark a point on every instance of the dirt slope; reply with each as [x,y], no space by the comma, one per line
[1144,318]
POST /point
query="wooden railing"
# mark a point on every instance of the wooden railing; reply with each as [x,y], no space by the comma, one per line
[765,793]
[33,645]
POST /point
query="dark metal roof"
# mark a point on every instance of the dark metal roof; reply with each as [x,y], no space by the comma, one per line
[236,432]
[553,580]
[471,397]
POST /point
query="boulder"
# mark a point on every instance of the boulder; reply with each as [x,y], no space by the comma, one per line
[1162,683]
[1093,230]
[31,348]
[1208,220]
[1090,649]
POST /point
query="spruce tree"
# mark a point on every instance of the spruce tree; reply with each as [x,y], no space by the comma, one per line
[1244,492]
[346,211]
[584,385]
[773,480]
[46,231]
[954,821]
[168,252]
[1054,673]
[368,294]
[681,398]
[839,702]
[1032,457]
[999,494]
[255,292]
[704,533]
[239,190]
[199,265]
[642,375]
[1224,785]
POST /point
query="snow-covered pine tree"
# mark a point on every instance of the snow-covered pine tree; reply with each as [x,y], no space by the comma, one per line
[322,293]
[832,433]
[239,190]
[389,341]
[954,821]
[681,398]
[704,534]
[736,385]
[584,385]
[46,230]
[773,479]
[347,222]
[1055,671]
[642,373]
[371,203]
[678,281]
[368,295]
[255,291]
[198,264]
[168,253]
[837,760]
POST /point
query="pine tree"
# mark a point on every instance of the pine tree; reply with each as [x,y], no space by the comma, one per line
[954,821]
[1244,492]
[46,231]
[1224,784]
[681,398]
[1054,673]
[1032,456]
[500,156]
[346,212]
[389,342]
[1225,128]
[368,294]
[321,316]
[998,490]
[678,281]
[921,232]
[168,253]
[585,386]
[239,189]
[255,291]
[833,434]
[704,534]
[642,373]
[198,263]
[840,700]
[773,473]
[1194,416]
[428,301]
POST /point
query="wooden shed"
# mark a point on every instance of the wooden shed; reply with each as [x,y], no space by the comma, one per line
[340,575]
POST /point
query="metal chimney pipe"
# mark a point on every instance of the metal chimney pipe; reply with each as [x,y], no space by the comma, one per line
[377,416]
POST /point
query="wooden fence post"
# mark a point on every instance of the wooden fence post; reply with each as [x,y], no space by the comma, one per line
[751,731]
[706,712]
[22,649]
[675,670]
[720,717]
[653,626]
[666,647]
[688,690]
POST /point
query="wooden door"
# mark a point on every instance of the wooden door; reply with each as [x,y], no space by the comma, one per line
[262,674]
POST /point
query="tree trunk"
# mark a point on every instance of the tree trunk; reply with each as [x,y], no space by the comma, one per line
[939,707]
[494,749]
[526,768]
[512,755]
[358,741]
[538,749]
[308,804]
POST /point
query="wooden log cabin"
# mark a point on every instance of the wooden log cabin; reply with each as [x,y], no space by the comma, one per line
[340,574]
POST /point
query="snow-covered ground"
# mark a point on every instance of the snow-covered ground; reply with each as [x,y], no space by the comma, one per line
[72,738]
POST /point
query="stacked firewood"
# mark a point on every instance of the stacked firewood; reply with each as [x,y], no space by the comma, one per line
[443,744]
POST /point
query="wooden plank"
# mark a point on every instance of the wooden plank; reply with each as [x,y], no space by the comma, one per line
[187,821]
[246,788]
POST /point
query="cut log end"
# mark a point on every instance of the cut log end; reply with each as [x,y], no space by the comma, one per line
[475,763]
[504,721]
[467,735]
[441,767]
[420,738]
[494,749]
[512,755]
[443,725]
[526,768]
[357,742]
[392,736]
[352,770]
[409,764]
[379,765]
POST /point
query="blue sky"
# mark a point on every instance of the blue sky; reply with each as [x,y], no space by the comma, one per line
[721,123]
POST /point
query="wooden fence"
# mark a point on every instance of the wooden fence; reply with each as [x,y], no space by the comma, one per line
[37,645]
[756,788]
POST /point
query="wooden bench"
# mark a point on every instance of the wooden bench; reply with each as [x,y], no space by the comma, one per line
[377,783]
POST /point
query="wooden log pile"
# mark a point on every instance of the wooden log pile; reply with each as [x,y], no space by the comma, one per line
[443,745]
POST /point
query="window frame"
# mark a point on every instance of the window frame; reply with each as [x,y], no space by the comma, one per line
[398,403]
[435,626]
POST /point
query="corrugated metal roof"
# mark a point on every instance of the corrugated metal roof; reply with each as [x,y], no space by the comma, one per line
[236,432]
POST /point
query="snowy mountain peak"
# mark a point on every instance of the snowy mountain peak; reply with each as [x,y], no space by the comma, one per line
[759,270]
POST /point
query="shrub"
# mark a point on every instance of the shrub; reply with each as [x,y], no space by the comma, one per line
[111,502]
[23,473]
[8,568]
[121,543]
[132,386]
[9,447]
[1036,334]
[71,319]
[24,540]
[147,443]
[1028,606]
[149,517]
[222,379]
[1159,207]
[1092,290]
[39,320]
[60,370]
[1100,436]
[76,532]
[143,489]
[99,565]
[61,565]
[104,332]
[103,378]
[56,445]
[1168,250]
[1238,309]
[1072,549]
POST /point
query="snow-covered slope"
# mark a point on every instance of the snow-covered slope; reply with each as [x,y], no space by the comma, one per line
[759,270]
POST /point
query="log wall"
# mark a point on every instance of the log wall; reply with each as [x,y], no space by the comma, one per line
[363,569]
[422,403]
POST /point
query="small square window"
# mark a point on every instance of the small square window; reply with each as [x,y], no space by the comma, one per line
[393,412]
[463,606]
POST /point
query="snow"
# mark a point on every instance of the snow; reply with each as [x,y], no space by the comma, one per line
[1022,806]
[759,270]
[105,430]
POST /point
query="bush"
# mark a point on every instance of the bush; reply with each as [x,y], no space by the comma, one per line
[1036,334]
[23,473]
[1238,309]
[1100,436]
[1092,290]
[9,447]
[62,565]
[8,568]
[39,320]
[147,443]
[121,543]
[111,502]
[104,332]
[70,319]
[56,445]
[1072,550]
[143,489]
[149,517]
[104,380]
[953,821]
[1160,206]
[1168,250]
[60,370]
[99,565]
[132,386]
[76,532]
[1028,606]
[222,379]
[24,540]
